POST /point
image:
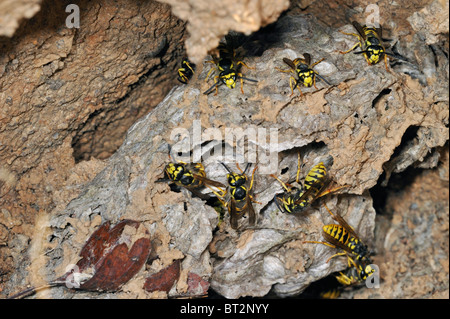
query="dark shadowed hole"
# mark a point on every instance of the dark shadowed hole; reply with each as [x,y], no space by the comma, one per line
[379,96]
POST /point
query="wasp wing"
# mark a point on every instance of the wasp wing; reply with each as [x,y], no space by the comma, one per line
[379,32]
[307,57]
[234,215]
[251,212]
[290,63]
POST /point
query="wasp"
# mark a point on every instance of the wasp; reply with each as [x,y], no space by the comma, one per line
[303,69]
[191,176]
[228,66]
[371,44]
[237,198]
[343,236]
[186,71]
[297,198]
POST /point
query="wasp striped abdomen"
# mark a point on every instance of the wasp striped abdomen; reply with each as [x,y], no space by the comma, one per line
[341,237]
[297,198]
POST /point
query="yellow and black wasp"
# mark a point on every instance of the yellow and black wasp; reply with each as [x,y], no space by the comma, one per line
[191,176]
[303,69]
[343,236]
[238,198]
[228,66]
[186,71]
[297,198]
[371,44]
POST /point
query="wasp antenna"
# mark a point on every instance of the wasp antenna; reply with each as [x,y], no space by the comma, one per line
[359,52]
[296,84]
[247,79]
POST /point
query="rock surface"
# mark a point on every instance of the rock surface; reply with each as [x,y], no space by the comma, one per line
[13,11]
[68,95]
[208,21]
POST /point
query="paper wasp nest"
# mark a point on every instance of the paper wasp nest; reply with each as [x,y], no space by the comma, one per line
[369,124]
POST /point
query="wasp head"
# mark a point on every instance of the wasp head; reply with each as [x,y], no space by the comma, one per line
[365,272]
[374,53]
[228,78]
[306,77]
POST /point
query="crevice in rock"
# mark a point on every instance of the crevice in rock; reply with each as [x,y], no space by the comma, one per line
[378,98]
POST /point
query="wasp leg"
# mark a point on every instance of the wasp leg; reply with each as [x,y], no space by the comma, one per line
[332,190]
[351,262]
[352,48]
[299,165]
[315,63]
[243,64]
[199,166]
[254,201]
[285,185]
[285,71]
[216,80]
[183,78]
[296,85]
[189,66]
[314,82]
[242,82]
[209,73]
[253,174]
[353,34]
[219,196]
[292,79]
[344,279]
[335,255]
[386,63]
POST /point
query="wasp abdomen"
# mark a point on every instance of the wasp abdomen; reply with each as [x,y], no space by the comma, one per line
[315,176]
[337,232]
